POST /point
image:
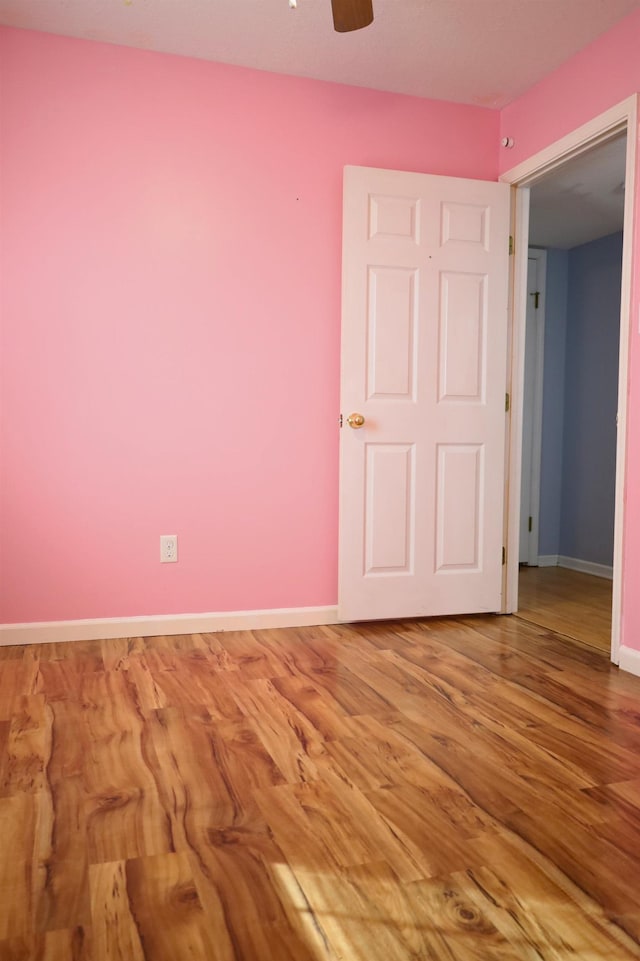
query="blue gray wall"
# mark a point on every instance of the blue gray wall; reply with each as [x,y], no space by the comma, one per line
[580,400]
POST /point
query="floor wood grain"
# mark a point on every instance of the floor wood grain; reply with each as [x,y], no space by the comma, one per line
[464,789]
[568,602]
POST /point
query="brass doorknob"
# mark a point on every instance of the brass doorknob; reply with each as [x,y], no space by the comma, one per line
[355,421]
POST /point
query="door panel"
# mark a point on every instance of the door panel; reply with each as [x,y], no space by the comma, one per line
[425,294]
[459,507]
[391,334]
[390,499]
[463,306]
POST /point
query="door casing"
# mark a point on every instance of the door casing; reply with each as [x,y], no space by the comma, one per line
[536,361]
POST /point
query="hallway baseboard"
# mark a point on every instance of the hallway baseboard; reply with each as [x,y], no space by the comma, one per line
[576,564]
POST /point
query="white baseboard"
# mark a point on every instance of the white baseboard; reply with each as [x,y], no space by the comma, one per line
[629,660]
[548,560]
[92,630]
[586,567]
[575,564]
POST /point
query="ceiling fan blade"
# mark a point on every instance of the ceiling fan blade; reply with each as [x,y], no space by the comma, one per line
[351,14]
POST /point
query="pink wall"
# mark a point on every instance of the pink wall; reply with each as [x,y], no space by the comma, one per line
[170,311]
[598,77]
[170,322]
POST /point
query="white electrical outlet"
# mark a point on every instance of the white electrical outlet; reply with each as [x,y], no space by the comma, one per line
[168,548]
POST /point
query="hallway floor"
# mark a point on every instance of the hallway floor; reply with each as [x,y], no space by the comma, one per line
[567,602]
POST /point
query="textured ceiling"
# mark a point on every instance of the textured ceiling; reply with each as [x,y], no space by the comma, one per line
[582,200]
[471,51]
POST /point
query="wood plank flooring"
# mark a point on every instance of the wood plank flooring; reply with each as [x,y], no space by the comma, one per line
[461,789]
[568,602]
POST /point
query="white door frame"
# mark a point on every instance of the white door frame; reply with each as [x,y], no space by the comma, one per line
[540,256]
[618,119]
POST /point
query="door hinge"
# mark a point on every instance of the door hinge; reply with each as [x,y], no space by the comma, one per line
[341,420]
[511,245]
[530,524]
[507,403]
[536,299]
[504,556]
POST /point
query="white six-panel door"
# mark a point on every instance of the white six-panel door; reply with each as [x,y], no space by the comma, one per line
[424,354]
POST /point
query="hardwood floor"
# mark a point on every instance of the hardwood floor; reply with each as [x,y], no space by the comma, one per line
[568,602]
[464,789]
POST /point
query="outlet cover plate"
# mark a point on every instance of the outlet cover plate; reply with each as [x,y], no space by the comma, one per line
[168,548]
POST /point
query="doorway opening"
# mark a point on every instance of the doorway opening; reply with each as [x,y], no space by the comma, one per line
[576,220]
[575,202]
